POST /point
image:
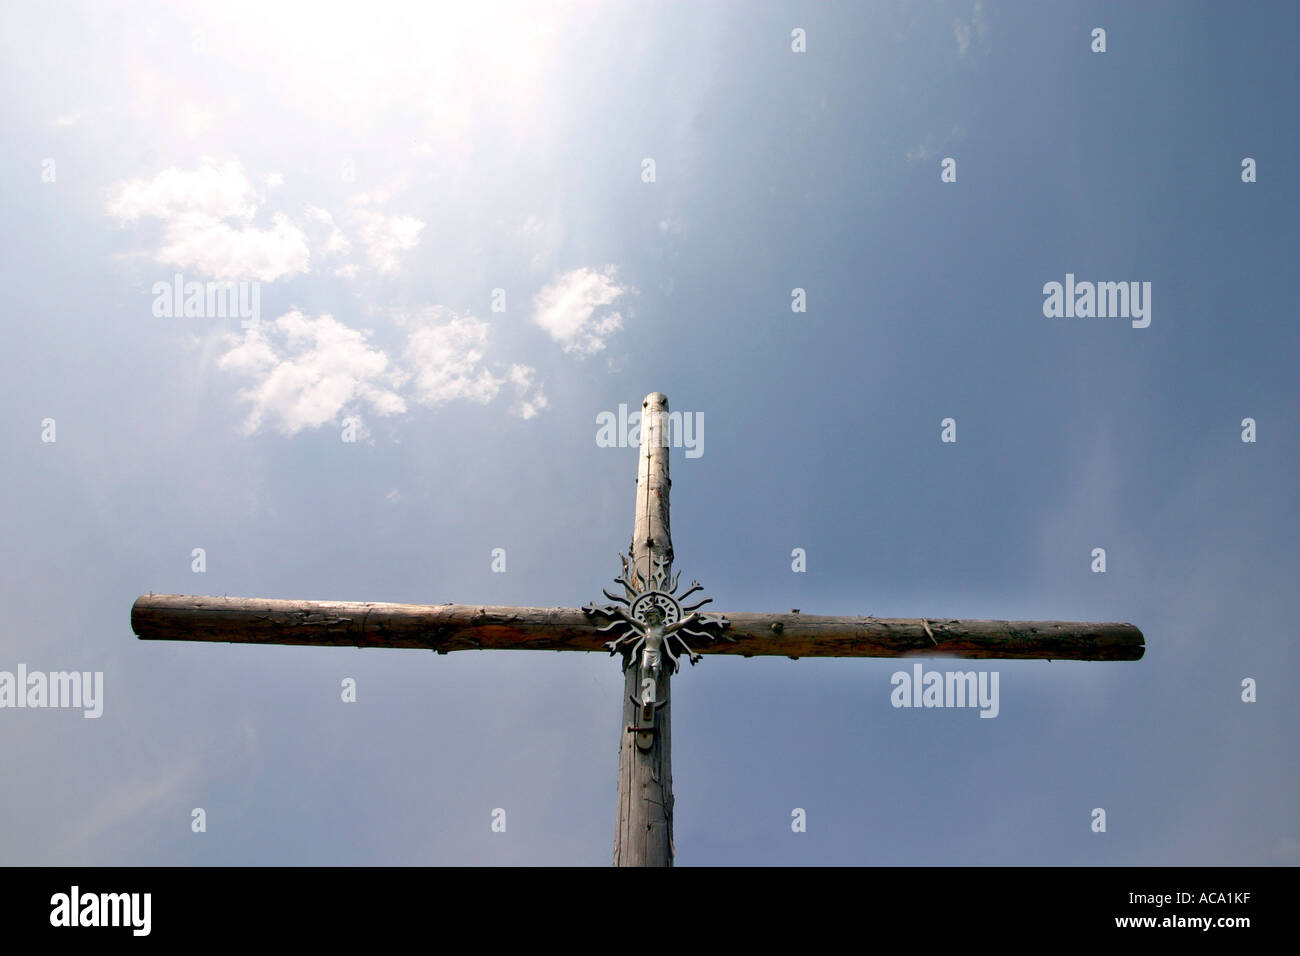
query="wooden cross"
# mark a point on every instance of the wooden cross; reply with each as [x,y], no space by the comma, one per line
[647,624]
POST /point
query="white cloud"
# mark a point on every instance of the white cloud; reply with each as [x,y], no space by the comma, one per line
[386,236]
[962,32]
[526,406]
[306,372]
[977,28]
[309,372]
[71,119]
[218,249]
[219,192]
[335,243]
[566,309]
[197,208]
[445,352]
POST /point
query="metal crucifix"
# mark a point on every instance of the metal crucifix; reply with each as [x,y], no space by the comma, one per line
[648,625]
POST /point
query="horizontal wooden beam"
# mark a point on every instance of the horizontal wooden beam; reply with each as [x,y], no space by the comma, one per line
[462,627]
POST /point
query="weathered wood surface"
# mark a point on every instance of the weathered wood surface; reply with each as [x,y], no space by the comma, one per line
[643,826]
[463,627]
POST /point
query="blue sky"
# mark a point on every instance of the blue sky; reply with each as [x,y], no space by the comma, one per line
[380,172]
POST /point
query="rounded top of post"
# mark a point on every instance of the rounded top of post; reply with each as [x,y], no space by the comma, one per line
[656,400]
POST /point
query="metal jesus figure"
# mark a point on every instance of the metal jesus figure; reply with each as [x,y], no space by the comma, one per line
[647,624]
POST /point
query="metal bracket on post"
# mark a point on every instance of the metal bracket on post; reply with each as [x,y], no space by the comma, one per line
[645,736]
[644,728]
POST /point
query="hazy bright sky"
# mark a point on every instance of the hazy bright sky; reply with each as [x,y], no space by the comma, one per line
[388,173]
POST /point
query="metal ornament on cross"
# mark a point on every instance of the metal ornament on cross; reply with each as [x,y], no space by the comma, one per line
[654,622]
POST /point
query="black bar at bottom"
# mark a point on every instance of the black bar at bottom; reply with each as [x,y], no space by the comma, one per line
[444,906]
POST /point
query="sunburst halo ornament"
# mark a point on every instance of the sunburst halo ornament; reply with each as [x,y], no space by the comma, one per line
[656,614]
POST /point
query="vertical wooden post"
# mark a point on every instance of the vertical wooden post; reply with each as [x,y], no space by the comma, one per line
[644,832]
